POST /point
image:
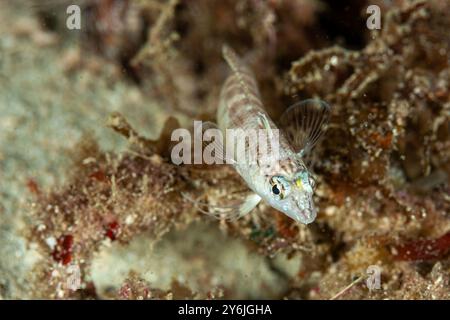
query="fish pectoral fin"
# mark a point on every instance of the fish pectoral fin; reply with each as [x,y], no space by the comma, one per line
[250,203]
[213,145]
[304,123]
[232,212]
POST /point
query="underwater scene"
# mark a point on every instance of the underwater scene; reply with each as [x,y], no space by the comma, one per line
[225,149]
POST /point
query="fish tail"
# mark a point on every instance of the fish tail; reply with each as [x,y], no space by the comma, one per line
[233,60]
[242,74]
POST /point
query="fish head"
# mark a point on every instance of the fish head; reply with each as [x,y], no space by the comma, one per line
[293,195]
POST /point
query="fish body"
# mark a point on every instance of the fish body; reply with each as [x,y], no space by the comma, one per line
[280,178]
[241,108]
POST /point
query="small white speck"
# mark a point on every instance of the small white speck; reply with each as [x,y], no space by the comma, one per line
[331,210]
[51,242]
[89,160]
[334,60]
[129,219]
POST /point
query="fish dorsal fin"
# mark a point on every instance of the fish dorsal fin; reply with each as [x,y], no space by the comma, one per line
[232,59]
[304,123]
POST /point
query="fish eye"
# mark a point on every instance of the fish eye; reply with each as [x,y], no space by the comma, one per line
[275,190]
[279,187]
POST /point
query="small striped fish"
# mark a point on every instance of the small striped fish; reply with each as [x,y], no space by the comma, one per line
[283,180]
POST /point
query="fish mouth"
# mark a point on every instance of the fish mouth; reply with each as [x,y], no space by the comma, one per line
[308,217]
[303,217]
[300,209]
[307,212]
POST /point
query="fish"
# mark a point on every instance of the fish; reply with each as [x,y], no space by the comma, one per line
[280,178]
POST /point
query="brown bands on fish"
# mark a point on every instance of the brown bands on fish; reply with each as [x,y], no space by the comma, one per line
[240,103]
[241,98]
